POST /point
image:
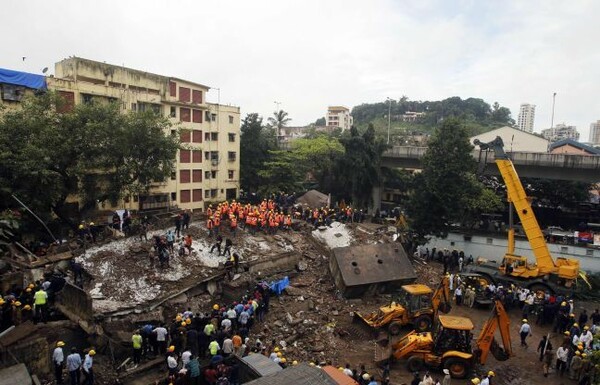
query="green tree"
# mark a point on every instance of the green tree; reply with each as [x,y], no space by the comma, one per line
[320,122]
[358,170]
[446,189]
[278,121]
[94,152]
[550,193]
[256,142]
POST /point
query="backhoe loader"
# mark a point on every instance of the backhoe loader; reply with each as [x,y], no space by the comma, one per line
[417,305]
[449,345]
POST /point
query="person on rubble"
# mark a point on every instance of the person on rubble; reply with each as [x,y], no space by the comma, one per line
[187,217]
[136,341]
[217,244]
[58,358]
[228,244]
[87,368]
[161,339]
[41,304]
[74,366]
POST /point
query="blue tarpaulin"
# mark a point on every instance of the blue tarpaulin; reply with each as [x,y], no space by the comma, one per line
[24,79]
[279,286]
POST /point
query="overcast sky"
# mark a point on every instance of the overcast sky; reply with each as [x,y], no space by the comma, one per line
[313,53]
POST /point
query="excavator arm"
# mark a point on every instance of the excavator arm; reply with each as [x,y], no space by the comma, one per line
[441,299]
[486,342]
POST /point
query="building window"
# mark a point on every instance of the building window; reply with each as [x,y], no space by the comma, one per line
[184,176]
[230,174]
[197,97]
[213,193]
[231,156]
[184,114]
[214,136]
[213,174]
[173,175]
[185,196]
[87,99]
[197,195]
[230,119]
[213,117]
[184,94]
[231,137]
[207,175]
[184,156]
[197,116]
[196,136]
[173,196]
[206,193]
[207,136]
[133,106]
[173,89]
[68,99]
[197,176]
[173,112]
[196,156]
[185,136]
[214,157]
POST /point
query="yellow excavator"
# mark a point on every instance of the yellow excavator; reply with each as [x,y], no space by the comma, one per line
[417,305]
[449,346]
[548,274]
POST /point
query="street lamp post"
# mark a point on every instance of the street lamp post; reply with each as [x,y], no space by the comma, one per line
[552,119]
[389,118]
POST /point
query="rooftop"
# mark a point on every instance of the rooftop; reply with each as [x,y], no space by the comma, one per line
[367,264]
[417,289]
[301,374]
[576,144]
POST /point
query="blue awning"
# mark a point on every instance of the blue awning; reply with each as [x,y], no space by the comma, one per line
[24,79]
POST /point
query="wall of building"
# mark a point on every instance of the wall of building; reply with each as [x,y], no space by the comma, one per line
[568,149]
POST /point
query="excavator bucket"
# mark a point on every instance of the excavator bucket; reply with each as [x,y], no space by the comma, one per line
[362,327]
[497,351]
[383,352]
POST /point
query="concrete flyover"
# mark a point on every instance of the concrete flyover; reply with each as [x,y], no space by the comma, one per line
[584,168]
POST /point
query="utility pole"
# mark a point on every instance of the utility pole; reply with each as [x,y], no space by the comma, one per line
[278,104]
[389,118]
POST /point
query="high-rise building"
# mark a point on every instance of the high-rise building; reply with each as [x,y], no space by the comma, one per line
[339,116]
[595,133]
[526,117]
[560,132]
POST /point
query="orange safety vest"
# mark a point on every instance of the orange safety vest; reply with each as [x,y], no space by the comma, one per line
[209,224]
[233,223]
[209,212]
[217,221]
[288,221]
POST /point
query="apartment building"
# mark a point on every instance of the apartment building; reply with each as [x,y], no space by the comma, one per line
[595,133]
[339,116]
[526,117]
[560,132]
[208,165]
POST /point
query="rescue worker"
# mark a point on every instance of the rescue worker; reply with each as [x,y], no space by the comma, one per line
[58,358]
[88,370]
[74,366]
[41,302]
[136,341]
[217,245]
[524,332]
[447,377]
[575,367]
[547,360]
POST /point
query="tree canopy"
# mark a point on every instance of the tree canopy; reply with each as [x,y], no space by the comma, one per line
[256,142]
[447,190]
[93,152]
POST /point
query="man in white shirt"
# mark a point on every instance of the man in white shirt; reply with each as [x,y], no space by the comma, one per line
[172,363]
[227,347]
[161,338]
[226,325]
[87,367]
[58,358]
[562,357]
[73,365]
[348,371]
[185,357]
[524,332]
[586,337]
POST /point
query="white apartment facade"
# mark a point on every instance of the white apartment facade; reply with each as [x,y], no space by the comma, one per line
[339,116]
[526,117]
[561,131]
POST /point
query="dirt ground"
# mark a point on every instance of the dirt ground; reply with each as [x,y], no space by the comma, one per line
[310,318]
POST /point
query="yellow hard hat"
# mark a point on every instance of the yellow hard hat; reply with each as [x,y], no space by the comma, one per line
[524,320]
[294,362]
[2,301]
[60,343]
[475,381]
[491,374]
[188,321]
[586,328]
[17,303]
[81,227]
[92,352]
[276,349]
[283,360]
[91,223]
[571,315]
[311,363]
[183,323]
[567,333]
[26,307]
[215,307]
[577,352]
[28,290]
[341,368]
[171,348]
[178,318]
[583,355]
[576,324]
[30,286]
